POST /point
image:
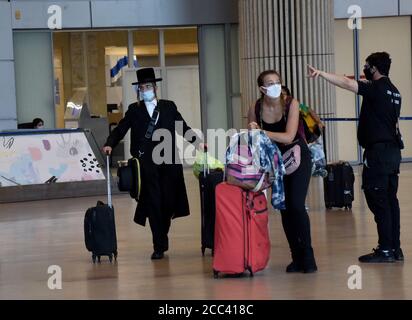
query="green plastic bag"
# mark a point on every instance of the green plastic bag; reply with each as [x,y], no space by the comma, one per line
[214,164]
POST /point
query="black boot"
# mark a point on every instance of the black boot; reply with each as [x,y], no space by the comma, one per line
[296,264]
[308,261]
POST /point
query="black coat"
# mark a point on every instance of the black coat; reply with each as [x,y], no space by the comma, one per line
[160,182]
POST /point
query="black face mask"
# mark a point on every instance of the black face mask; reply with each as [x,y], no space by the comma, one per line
[368,74]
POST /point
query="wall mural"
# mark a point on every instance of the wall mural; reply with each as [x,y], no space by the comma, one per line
[46,158]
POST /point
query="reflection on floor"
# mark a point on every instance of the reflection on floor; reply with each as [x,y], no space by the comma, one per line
[36,235]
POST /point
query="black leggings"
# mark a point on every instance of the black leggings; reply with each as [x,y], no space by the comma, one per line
[295,218]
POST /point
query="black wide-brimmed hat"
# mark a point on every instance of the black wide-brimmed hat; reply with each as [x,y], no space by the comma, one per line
[146,75]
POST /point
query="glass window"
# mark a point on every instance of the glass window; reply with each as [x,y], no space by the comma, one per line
[90,60]
[181,48]
[146,48]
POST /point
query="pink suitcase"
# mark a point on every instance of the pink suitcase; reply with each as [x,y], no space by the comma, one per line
[241,231]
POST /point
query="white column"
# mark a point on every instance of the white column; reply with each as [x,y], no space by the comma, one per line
[286,35]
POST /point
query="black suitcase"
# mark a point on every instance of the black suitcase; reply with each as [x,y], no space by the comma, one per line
[208,180]
[338,185]
[100,228]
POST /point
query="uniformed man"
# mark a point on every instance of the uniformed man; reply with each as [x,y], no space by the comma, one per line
[378,134]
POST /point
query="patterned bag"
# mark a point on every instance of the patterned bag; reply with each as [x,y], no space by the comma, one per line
[291,159]
[243,167]
[244,174]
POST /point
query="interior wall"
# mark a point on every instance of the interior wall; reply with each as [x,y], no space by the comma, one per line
[391,34]
[345,100]
[34,77]
[8,112]
[394,36]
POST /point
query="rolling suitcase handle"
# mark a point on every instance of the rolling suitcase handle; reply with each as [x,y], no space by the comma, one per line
[109,189]
[324,144]
[203,196]
[206,164]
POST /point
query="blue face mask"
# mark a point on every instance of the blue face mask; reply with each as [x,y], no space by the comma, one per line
[147,95]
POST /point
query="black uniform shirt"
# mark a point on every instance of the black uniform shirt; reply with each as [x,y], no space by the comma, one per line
[380,111]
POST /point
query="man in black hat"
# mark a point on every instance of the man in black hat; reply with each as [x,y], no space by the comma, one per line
[163,192]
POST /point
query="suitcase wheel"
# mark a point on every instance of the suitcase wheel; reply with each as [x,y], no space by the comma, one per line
[111,258]
[250,272]
[115,256]
[98,259]
[215,274]
[203,251]
[94,258]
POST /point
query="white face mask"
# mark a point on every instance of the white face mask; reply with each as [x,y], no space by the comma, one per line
[274,91]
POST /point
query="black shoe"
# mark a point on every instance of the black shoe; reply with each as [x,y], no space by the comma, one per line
[308,261]
[310,267]
[296,264]
[398,254]
[157,255]
[294,267]
[378,256]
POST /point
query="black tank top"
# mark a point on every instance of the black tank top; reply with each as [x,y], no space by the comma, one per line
[280,126]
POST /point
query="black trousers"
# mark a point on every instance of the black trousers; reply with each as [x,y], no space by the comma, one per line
[295,219]
[380,178]
[153,177]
